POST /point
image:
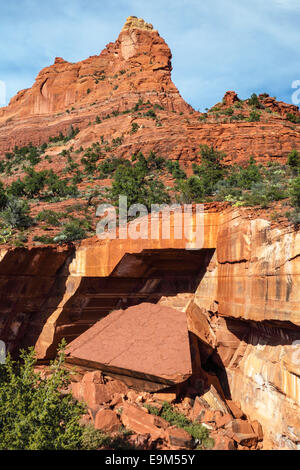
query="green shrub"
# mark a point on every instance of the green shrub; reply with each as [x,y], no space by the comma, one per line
[3,196]
[191,190]
[174,418]
[294,160]
[294,217]
[50,217]
[45,239]
[134,128]
[254,101]
[211,169]
[94,439]
[175,170]
[133,182]
[33,413]
[293,118]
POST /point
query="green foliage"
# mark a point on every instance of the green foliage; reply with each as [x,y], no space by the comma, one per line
[34,182]
[136,181]
[174,418]
[294,217]
[293,118]
[211,169]
[16,214]
[134,128]
[295,192]
[245,177]
[3,196]
[50,217]
[254,101]
[238,117]
[294,160]
[151,114]
[175,170]
[61,139]
[191,190]
[228,112]
[94,439]
[153,410]
[109,166]
[58,187]
[73,231]
[139,189]
[34,415]
[45,239]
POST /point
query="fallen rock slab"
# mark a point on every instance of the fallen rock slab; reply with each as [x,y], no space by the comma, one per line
[146,345]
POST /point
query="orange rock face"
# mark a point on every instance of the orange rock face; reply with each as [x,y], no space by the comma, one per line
[145,343]
[239,291]
[137,68]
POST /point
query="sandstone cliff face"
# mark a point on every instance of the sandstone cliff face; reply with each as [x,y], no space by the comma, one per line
[240,292]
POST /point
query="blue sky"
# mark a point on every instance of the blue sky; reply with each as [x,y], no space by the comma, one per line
[217,45]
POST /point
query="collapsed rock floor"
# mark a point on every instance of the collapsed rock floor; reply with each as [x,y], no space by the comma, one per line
[113,406]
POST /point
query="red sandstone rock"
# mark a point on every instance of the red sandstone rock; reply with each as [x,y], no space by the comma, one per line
[107,421]
[199,409]
[242,433]
[240,426]
[230,98]
[214,400]
[146,342]
[179,438]
[209,416]
[235,409]
[168,397]
[222,442]
[136,66]
[222,421]
[94,392]
[137,420]
[257,428]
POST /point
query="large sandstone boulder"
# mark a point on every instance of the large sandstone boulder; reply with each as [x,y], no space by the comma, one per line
[147,346]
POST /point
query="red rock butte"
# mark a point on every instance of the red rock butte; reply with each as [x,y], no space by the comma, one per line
[239,292]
